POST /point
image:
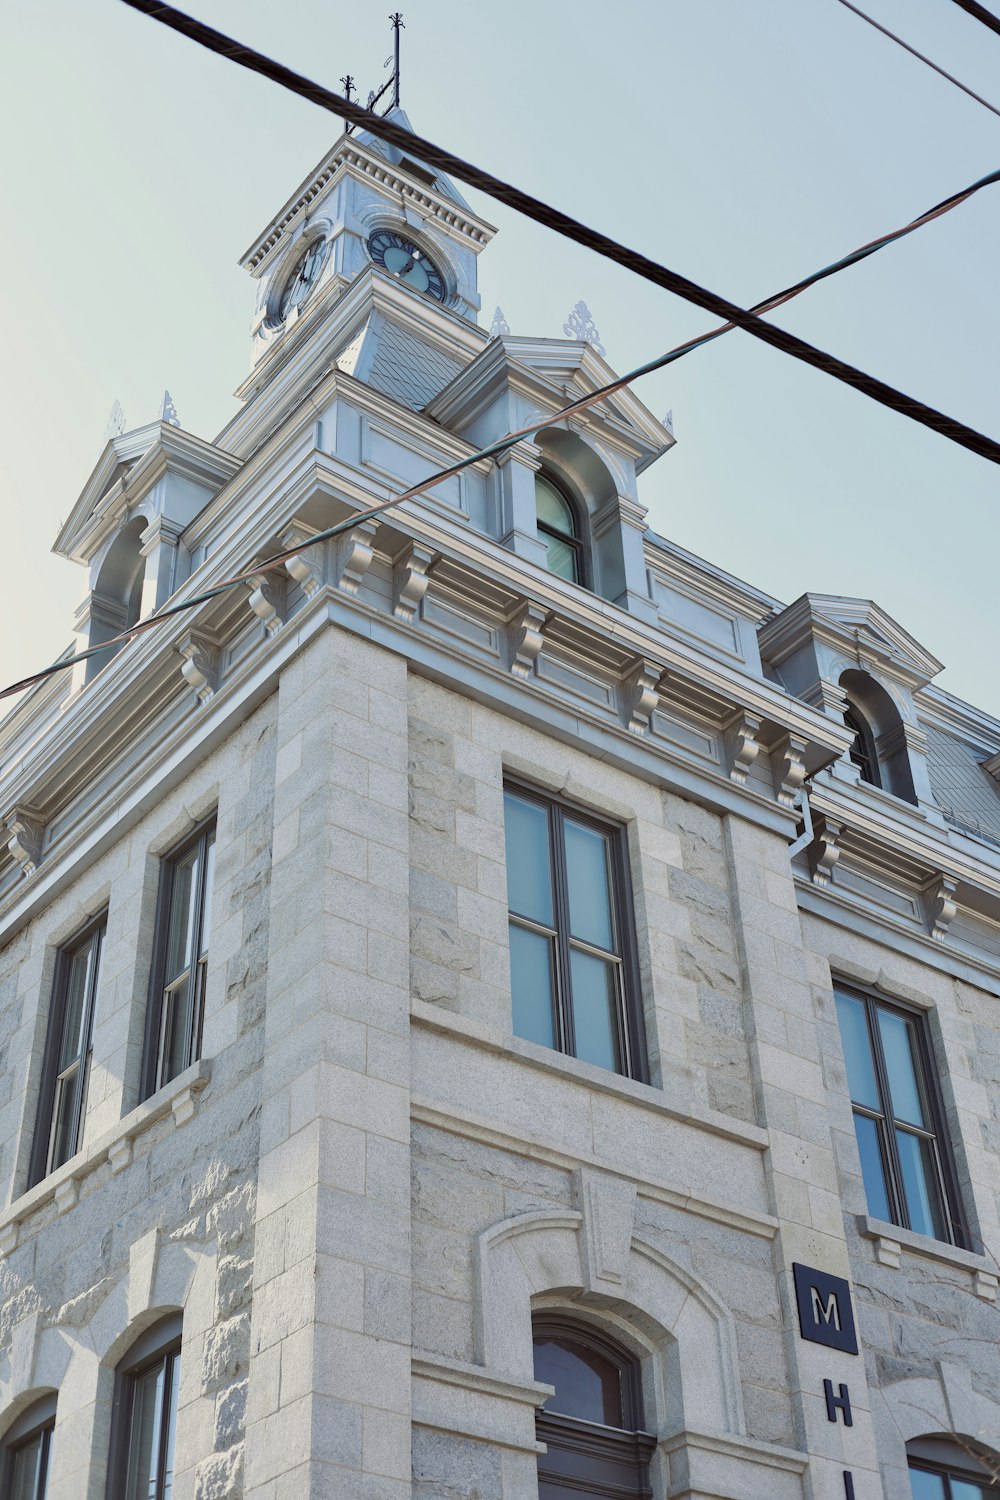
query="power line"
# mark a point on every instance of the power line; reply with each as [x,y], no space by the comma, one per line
[930,63]
[501,444]
[552,218]
[980,13]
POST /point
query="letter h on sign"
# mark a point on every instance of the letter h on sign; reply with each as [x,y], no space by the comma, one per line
[825,1312]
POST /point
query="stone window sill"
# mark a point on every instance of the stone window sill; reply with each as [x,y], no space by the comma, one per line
[547,1060]
[891,1240]
[178,1098]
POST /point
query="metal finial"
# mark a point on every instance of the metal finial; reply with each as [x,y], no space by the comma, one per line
[499,326]
[580,325]
[396,21]
[668,422]
[168,411]
[116,421]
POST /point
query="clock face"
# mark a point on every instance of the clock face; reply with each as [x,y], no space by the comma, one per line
[407,262]
[304,277]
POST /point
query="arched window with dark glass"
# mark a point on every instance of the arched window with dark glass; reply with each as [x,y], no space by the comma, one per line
[24,1459]
[862,752]
[144,1417]
[592,1425]
[559,528]
[945,1468]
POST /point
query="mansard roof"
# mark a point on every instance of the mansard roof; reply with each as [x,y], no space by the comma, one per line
[859,627]
[551,373]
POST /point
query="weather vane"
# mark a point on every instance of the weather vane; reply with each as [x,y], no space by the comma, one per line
[375,96]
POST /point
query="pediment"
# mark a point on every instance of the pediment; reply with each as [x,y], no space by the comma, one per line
[858,628]
[405,160]
[133,463]
[551,372]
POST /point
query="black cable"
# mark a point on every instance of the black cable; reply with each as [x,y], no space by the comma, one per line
[914,53]
[980,13]
[552,218]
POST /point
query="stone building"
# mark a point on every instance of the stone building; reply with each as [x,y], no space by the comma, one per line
[500,1007]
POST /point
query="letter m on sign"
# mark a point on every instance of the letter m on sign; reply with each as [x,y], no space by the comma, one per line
[825,1312]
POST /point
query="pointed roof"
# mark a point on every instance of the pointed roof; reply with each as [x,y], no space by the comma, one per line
[552,372]
[409,159]
[859,627]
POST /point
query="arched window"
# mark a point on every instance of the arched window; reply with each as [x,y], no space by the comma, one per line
[24,1461]
[144,1420]
[943,1469]
[862,752]
[559,528]
[591,1425]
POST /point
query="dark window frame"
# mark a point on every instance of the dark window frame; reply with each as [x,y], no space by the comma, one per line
[949,1459]
[153,1045]
[578,542]
[862,752]
[630,1018]
[43,1141]
[612,1460]
[159,1345]
[38,1419]
[886,1123]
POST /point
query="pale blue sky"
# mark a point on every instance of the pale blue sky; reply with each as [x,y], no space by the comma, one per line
[742,142]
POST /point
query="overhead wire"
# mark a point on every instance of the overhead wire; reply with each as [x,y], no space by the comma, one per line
[503,443]
[553,218]
[980,13]
[848,5]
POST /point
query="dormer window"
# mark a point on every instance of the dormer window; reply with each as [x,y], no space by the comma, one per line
[559,528]
[862,752]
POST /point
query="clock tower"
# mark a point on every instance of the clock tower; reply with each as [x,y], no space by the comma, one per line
[369,221]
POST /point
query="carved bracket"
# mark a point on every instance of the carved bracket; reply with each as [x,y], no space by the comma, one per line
[410,579]
[746,747]
[26,830]
[199,663]
[306,567]
[642,694]
[267,600]
[356,553]
[941,906]
[526,637]
[824,851]
[789,768]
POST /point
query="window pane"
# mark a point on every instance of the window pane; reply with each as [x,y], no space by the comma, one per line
[561,558]
[961,1489]
[176,1026]
[144,1439]
[871,1167]
[857,1052]
[64,1135]
[76,1005]
[531,985]
[181,923]
[529,877]
[589,892]
[28,1470]
[595,1010]
[928,1486]
[916,1156]
[206,909]
[587,1385]
[553,509]
[171,1421]
[898,1043]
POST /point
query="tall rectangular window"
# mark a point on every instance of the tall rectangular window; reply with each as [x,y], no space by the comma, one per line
[574,978]
[180,960]
[62,1100]
[908,1175]
[24,1457]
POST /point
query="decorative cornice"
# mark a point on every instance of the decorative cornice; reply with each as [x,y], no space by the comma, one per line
[350,155]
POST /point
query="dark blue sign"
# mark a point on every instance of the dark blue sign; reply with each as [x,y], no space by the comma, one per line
[825,1312]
